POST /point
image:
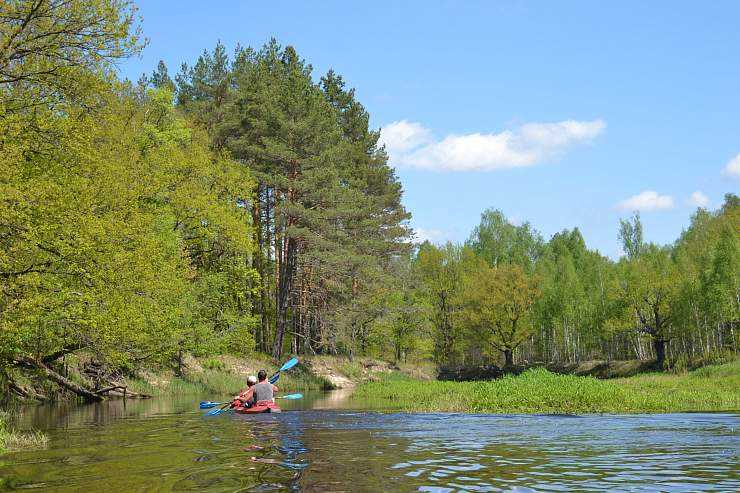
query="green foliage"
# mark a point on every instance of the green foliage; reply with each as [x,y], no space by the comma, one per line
[647,294]
[539,391]
[497,304]
[574,298]
[123,233]
[327,210]
[57,52]
[441,271]
[217,380]
[96,256]
[497,241]
[213,364]
[676,304]
[207,382]
[630,233]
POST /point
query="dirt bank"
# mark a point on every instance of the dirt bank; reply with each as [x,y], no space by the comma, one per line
[222,374]
[596,368]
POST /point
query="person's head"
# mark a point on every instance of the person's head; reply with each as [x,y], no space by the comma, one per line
[251,380]
[262,375]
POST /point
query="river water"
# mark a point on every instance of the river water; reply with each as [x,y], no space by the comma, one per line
[327,443]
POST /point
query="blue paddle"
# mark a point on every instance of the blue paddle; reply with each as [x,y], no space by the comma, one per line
[290,397]
[286,366]
[209,404]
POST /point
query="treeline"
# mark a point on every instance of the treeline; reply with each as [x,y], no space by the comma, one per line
[508,294]
[241,207]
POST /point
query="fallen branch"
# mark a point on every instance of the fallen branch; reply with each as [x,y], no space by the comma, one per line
[128,395]
[113,391]
[111,388]
[24,392]
[59,379]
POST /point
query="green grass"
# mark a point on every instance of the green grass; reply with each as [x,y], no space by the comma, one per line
[299,378]
[711,388]
[207,382]
[224,382]
[715,388]
[351,369]
[15,440]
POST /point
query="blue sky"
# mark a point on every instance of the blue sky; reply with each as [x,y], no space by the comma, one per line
[563,114]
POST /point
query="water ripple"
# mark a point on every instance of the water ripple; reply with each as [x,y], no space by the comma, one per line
[157,450]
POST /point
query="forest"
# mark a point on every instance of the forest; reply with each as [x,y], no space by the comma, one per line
[244,205]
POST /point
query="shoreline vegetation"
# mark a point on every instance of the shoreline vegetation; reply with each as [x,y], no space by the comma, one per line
[11,439]
[224,376]
[539,391]
[621,387]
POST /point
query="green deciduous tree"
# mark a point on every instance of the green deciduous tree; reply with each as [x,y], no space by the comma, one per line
[630,233]
[61,51]
[497,304]
[648,293]
[498,241]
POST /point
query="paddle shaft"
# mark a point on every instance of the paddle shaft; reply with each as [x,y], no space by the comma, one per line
[214,412]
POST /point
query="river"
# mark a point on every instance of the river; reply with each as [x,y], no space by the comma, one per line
[328,443]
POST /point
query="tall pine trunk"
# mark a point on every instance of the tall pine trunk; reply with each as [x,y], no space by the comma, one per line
[260,267]
[284,289]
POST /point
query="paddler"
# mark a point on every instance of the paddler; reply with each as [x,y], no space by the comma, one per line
[244,399]
[264,390]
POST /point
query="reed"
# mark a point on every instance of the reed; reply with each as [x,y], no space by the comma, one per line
[11,439]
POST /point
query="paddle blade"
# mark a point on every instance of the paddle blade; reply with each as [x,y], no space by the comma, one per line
[214,412]
[290,396]
[209,405]
[289,364]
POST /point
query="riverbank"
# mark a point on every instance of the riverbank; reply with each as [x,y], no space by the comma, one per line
[220,376]
[225,375]
[216,375]
[712,388]
[415,387]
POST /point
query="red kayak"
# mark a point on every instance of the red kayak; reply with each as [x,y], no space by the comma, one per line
[260,407]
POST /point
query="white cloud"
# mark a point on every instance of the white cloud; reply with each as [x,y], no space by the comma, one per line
[646,201]
[698,199]
[431,235]
[402,136]
[411,144]
[733,167]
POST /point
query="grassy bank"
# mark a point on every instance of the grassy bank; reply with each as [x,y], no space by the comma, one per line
[215,377]
[14,440]
[713,388]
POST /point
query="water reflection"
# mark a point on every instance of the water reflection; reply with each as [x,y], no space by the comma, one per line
[167,445]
